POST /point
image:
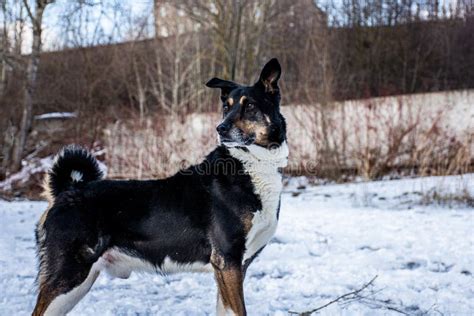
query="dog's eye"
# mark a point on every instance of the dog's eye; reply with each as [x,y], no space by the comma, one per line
[250,107]
[226,108]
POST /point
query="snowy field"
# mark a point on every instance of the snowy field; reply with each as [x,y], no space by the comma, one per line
[331,240]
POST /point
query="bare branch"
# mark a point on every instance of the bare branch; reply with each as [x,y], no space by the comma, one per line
[28,10]
[347,296]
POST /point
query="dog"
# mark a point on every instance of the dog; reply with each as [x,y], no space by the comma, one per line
[215,216]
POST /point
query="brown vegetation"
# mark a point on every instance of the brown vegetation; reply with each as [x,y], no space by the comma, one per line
[370,138]
[125,94]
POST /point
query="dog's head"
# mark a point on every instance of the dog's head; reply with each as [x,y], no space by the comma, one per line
[251,114]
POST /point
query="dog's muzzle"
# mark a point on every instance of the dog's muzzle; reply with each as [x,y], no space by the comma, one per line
[232,136]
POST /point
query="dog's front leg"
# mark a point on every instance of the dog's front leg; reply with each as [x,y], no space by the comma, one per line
[230,290]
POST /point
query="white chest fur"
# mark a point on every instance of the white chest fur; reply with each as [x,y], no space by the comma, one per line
[262,166]
[264,221]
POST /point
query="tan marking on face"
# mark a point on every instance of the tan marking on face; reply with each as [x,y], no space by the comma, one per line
[230,101]
[260,129]
[242,99]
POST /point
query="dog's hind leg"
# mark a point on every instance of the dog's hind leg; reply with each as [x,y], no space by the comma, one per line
[60,293]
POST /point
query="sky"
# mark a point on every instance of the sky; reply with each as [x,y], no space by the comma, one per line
[98,20]
[102,22]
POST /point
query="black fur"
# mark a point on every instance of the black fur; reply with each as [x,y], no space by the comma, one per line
[73,158]
[142,217]
[264,95]
[193,216]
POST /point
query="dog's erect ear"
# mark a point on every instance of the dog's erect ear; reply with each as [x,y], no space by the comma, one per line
[269,76]
[225,86]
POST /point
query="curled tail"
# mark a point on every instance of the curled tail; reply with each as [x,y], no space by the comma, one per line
[73,167]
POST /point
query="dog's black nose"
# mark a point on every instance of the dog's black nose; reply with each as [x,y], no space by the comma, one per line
[223,128]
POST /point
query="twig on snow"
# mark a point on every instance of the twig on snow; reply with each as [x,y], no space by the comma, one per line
[347,296]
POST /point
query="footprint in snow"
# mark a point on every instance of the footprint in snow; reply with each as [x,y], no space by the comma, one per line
[412,265]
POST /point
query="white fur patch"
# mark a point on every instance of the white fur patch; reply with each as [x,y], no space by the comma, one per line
[221,310]
[262,165]
[76,176]
[121,265]
[170,266]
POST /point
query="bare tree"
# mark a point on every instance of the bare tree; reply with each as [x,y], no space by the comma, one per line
[4,48]
[36,18]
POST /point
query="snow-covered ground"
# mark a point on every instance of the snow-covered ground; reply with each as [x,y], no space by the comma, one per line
[331,240]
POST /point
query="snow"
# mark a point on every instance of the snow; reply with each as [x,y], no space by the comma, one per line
[56,115]
[29,168]
[331,240]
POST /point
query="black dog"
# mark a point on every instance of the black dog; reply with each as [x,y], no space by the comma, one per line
[215,216]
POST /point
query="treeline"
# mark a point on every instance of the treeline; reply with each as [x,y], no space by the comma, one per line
[329,51]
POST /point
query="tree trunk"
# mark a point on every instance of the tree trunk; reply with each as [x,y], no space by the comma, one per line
[4,49]
[234,51]
[157,4]
[30,84]
[3,77]
[141,93]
